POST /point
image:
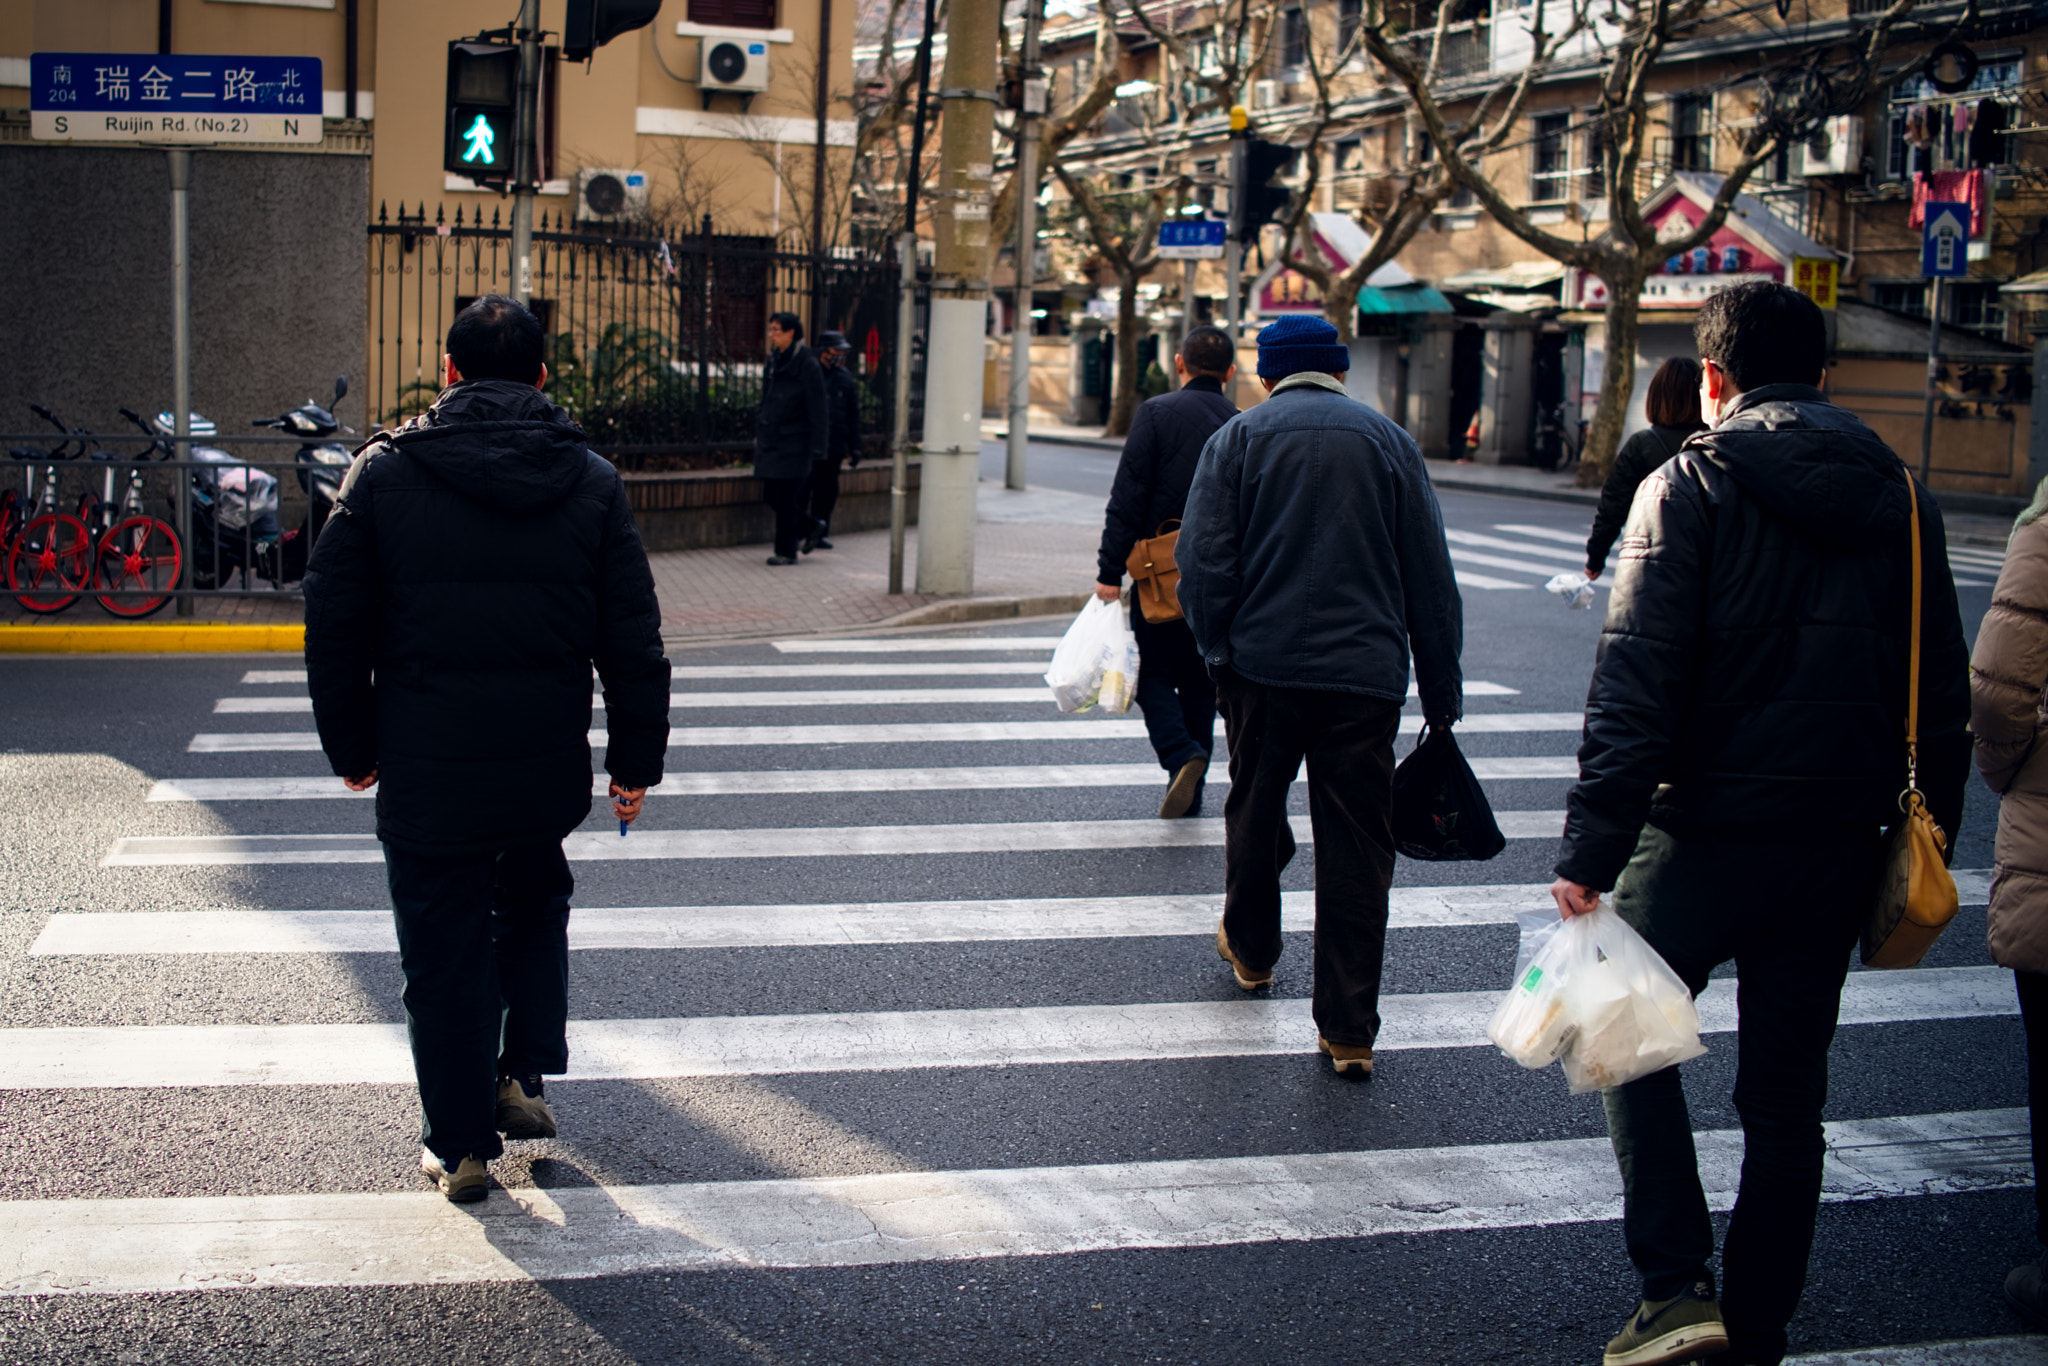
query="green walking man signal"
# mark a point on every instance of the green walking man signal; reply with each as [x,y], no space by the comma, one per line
[483,110]
[480,139]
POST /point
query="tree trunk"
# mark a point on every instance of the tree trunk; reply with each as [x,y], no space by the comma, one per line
[1617,378]
[1125,400]
[1340,312]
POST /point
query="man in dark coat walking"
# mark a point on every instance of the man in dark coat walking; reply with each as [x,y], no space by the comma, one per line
[842,409]
[791,432]
[1313,562]
[1745,746]
[479,563]
[1175,692]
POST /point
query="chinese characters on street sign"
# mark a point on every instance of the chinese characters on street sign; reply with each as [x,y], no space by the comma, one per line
[1197,239]
[1816,278]
[181,98]
[1944,239]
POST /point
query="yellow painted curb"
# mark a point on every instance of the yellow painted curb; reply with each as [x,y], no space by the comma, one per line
[149,638]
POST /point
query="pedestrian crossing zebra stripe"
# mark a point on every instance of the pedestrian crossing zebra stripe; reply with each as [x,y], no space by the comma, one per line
[819,697]
[1491,561]
[874,1041]
[1571,558]
[2014,1351]
[896,733]
[787,782]
[1467,579]
[914,645]
[1544,533]
[363,1239]
[808,925]
[773,842]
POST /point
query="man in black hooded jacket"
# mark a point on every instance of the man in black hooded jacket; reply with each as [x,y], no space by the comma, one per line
[481,560]
[1745,746]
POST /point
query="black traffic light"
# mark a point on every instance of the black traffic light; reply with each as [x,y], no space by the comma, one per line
[593,23]
[483,103]
[1253,201]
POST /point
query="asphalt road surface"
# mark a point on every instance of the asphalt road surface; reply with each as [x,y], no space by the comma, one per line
[898,1036]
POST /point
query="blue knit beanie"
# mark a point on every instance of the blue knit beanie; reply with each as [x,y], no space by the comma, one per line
[1299,343]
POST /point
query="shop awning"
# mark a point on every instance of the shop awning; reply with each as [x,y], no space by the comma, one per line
[1401,299]
[2037,283]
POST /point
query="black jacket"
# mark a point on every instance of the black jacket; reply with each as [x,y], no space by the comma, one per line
[479,563]
[1752,670]
[792,428]
[1638,457]
[1158,464]
[842,405]
[1312,553]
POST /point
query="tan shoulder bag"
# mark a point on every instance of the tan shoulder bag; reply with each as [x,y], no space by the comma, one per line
[1155,578]
[1916,897]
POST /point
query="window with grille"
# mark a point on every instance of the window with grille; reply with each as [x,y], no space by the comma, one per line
[1293,39]
[1979,307]
[1350,15]
[1902,296]
[734,13]
[1550,158]
[1596,157]
[1923,132]
[1692,135]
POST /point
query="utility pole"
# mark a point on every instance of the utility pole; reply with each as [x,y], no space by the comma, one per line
[181,350]
[1233,243]
[526,150]
[906,316]
[959,311]
[1933,380]
[1030,109]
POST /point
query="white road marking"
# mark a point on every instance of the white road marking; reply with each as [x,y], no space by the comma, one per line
[799,926]
[265,676]
[1972,583]
[1544,533]
[874,1041]
[126,1246]
[775,842]
[2026,1351]
[1457,537]
[917,645]
[1467,579]
[783,782]
[1503,562]
[898,733]
[888,668]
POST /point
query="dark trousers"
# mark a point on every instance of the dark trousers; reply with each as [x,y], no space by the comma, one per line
[1175,692]
[787,497]
[483,940]
[2033,990]
[1348,741]
[824,492]
[1788,914]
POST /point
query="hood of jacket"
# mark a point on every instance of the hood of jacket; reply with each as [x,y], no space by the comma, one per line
[499,442]
[1811,464]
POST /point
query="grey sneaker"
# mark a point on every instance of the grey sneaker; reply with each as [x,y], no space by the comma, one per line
[467,1184]
[523,1111]
[1678,1329]
[1248,978]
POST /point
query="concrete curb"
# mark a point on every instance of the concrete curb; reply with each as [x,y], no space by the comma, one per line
[1581,497]
[154,638]
[987,609]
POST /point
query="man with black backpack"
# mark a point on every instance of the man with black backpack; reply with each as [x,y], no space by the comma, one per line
[480,562]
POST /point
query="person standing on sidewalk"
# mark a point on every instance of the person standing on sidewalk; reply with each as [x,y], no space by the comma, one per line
[1313,563]
[1673,407]
[2008,677]
[842,410]
[791,433]
[1175,692]
[481,560]
[1745,744]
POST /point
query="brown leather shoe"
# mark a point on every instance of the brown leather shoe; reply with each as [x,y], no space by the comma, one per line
[1248,978]
[1349,1059]
[1181,793]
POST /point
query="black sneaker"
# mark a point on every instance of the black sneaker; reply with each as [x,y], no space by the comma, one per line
[2027,1292]
[823,544]
[782,559]
[523,1109]
[1678,1329]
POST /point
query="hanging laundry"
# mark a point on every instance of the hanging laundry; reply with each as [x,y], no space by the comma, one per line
[1916,126]
[1962,118]
[1950,187]
[1987,137]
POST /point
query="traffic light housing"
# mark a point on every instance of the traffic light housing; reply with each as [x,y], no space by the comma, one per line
[591,24]
[1254,202]
[483,103]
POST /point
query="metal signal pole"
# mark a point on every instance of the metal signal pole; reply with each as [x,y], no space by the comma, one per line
[526,150]
[1031,108]
[906,315]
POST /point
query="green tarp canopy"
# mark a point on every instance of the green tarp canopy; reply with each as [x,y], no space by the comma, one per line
[1401,299]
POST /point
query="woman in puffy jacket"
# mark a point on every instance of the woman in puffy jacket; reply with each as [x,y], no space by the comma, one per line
[2008,674]
[1673,407]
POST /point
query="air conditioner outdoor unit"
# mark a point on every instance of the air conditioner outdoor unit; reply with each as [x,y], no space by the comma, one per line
[606,192]
[1836,148]
[1265,94]
[739,64]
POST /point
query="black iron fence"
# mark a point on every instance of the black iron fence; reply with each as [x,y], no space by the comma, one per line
[656,343]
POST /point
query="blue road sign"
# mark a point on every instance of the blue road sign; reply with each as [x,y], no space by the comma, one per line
[1944,239]
[1192,239]
[175,98]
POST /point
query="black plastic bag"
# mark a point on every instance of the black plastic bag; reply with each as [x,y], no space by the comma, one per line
[1440,812]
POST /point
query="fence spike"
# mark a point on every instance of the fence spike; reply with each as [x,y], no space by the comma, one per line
[381,214]
[440,213]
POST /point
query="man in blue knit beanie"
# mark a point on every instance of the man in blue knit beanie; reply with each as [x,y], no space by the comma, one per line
[1313,564]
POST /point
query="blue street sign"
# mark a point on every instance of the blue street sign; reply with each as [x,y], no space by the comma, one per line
[1192,239]
[176,98]
[1944,239]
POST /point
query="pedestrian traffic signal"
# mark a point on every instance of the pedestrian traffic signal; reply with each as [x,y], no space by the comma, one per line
[483,101]
[591,24]
[1253,201]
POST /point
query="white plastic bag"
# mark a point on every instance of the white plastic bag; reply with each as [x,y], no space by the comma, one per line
[1575,588]
[1593,993]
[1096,663]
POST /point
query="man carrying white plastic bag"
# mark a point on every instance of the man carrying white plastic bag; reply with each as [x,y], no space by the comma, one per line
[1096,664]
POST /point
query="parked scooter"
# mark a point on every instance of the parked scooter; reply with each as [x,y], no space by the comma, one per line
[326,461]
[234,513]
